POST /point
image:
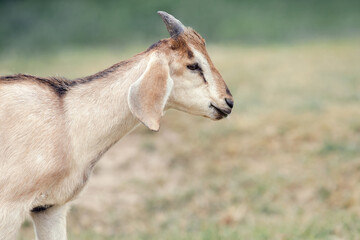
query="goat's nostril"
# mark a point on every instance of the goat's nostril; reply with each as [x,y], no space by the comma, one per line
[229,102]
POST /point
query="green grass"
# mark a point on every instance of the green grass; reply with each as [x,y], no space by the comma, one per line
[349,228]
[32,26]
[285,165]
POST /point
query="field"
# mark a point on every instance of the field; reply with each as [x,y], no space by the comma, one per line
[285,165]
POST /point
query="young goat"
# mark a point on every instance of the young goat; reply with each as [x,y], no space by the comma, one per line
[53,131]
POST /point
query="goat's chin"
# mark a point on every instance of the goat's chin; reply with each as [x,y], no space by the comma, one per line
[214,116]
[217,117]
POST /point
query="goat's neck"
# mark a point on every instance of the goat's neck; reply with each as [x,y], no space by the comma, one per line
[97,112]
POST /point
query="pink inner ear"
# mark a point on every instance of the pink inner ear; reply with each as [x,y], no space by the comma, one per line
[147,95]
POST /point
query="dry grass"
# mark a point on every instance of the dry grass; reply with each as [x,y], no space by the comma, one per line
[285,165]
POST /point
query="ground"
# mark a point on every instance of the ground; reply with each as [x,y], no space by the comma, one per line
[284,165]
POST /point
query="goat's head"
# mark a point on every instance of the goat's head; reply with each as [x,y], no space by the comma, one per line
[180,75]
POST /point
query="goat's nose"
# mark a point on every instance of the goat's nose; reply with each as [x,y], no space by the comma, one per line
[229,102]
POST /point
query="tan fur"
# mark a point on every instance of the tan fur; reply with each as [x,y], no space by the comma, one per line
[53,131]
[194,39]
[149,94]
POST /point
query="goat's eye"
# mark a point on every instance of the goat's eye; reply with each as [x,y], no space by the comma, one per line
[194,66]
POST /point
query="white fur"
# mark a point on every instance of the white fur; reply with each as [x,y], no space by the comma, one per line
[93,116]
[49,145]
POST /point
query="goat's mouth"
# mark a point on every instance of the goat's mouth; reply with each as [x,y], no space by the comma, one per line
[221,113]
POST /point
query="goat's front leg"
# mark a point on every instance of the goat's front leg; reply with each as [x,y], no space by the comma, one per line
[11,217]
[50,224]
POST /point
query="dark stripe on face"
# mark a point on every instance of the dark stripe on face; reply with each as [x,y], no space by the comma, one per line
[228,91]
[203,76]
[190,54]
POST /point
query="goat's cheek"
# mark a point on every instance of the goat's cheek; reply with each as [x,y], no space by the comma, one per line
[177,70]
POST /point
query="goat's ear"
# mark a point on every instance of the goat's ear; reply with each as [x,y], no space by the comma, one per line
[149,94]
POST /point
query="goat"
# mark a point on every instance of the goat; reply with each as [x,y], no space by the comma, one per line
[53,130]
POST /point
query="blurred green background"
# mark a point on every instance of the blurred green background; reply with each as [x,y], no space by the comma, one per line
[284,165]
[35,25]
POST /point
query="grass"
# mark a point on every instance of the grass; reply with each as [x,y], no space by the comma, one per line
[285,165]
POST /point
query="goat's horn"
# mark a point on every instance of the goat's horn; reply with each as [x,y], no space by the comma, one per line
[174,26]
